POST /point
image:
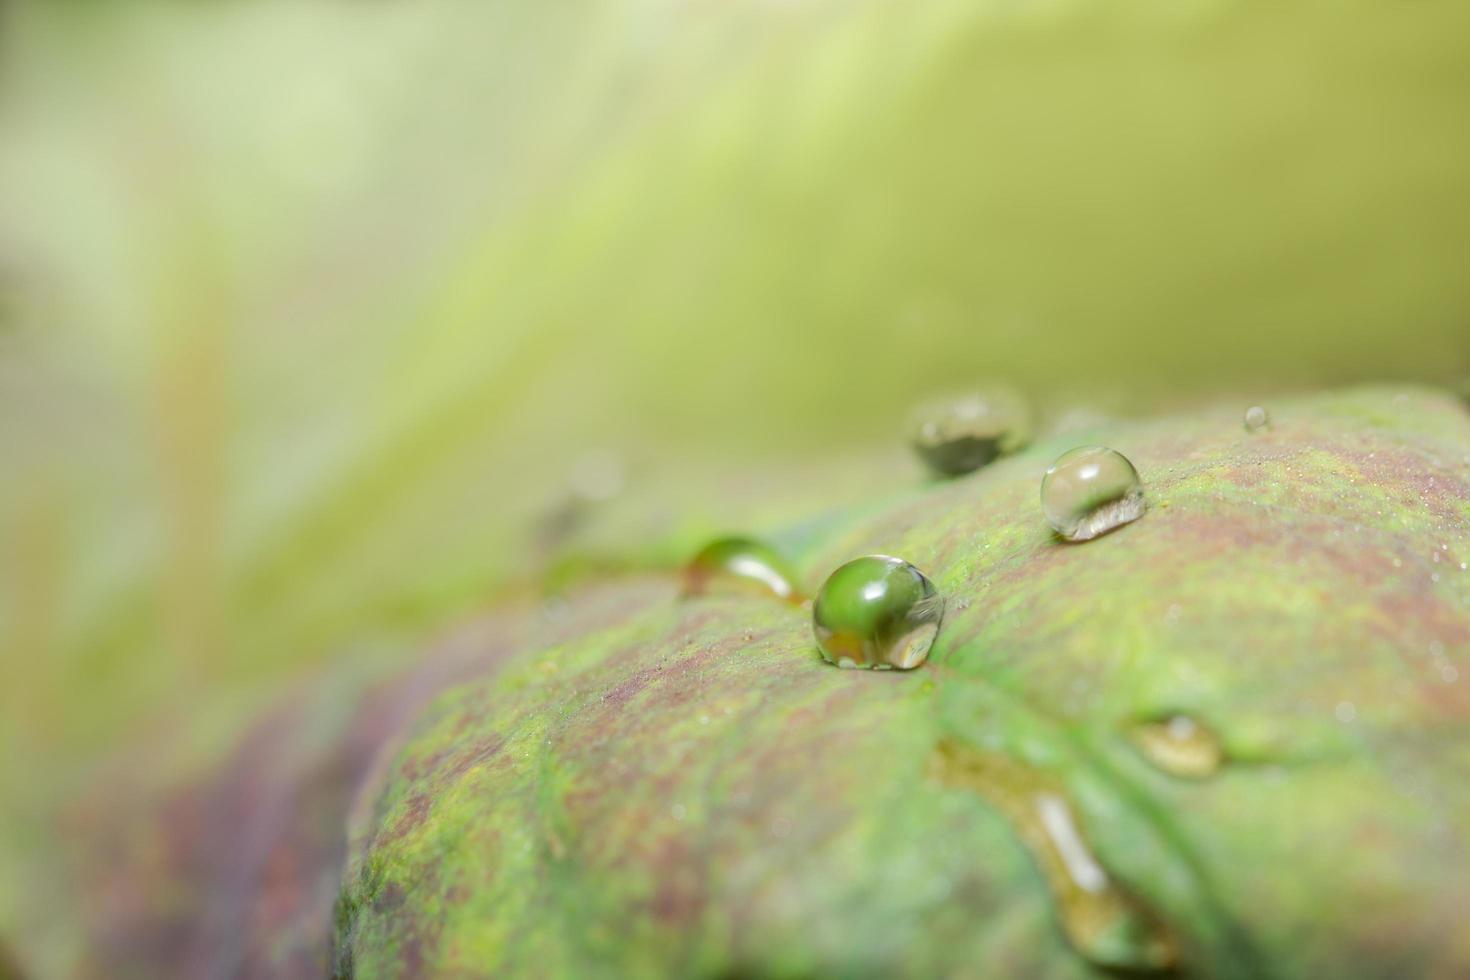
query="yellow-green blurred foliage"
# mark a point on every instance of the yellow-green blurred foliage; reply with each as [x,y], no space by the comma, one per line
[309,308]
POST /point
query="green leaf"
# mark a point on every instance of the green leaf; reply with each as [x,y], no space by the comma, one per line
[625,782]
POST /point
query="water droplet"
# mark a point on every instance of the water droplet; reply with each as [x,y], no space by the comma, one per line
[1090,491]
[742,566]
[959,435]
[877,612]
[1104,922]
[1345,711]
[1256,419]
[1180,746]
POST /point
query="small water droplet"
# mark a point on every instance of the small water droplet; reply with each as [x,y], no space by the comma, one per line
[1090,491]
[678,811]
[1256,419]
[959,435]
[1345,711]
[877,612]
[1180,746]
[1103,921]
[739,565]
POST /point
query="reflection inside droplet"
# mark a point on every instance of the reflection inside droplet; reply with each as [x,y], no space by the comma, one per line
[877,612]
[1090,491]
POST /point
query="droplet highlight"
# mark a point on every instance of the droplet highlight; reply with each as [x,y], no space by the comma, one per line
[877,612]
[739,566]
[1256,419]
[1089,491]
[1103,921]
[961,434]
[1180,746]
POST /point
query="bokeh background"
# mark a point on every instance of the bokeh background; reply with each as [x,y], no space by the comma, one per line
[320,321]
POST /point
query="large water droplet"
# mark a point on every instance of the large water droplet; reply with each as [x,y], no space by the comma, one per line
[1102,921]
[1090,491]
[877,612]
[1180,746]
[739,565]
[962,434]
[1256,418]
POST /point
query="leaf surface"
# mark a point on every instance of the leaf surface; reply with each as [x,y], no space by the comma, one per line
[687,790]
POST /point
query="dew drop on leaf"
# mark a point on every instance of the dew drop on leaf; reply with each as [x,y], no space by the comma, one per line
[877,612]
[1090,491]
[1256,419]
[739,566]
[1104,922]
[961,434]
[1180,746]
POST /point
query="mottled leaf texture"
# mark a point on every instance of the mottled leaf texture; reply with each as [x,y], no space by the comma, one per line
[624,782]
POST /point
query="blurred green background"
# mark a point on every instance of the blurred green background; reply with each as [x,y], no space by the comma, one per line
[312,315]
